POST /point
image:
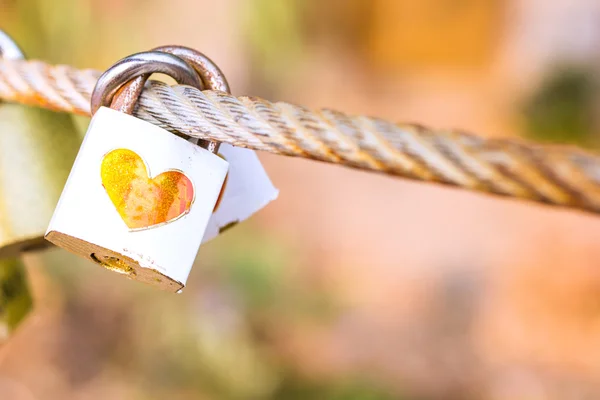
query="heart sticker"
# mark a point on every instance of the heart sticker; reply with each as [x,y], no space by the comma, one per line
[141,201]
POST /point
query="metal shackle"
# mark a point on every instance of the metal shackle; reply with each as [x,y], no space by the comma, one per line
[138,66]
[211,75]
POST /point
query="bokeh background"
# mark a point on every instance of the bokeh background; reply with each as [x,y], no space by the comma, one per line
[351,286]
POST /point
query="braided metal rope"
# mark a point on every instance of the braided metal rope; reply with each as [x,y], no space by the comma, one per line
[555,175]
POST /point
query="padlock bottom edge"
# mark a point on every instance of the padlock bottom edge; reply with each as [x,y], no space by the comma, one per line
[114,261]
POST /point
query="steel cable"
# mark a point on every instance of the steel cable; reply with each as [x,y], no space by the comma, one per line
[557,175]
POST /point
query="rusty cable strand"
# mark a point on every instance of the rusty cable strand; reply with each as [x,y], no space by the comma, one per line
[557,175]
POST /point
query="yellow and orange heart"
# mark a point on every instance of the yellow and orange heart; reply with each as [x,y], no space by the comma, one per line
[142,201]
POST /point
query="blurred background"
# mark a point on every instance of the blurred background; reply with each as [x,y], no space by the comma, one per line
[351,286]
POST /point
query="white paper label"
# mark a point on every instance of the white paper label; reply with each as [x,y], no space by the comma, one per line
[247,190]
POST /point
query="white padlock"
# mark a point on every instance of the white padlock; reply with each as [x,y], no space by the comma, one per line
[138,198]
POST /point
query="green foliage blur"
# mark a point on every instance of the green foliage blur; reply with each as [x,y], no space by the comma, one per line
[564,108]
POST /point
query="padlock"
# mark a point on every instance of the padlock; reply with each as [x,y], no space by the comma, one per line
[138,198]
[15,298]
[247,187]
[37,149]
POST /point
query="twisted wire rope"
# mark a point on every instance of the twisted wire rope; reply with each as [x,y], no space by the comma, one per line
[557,175]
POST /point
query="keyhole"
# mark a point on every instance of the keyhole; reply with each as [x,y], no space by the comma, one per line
[113,264]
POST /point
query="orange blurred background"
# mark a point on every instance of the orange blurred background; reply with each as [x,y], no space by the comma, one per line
[351,286]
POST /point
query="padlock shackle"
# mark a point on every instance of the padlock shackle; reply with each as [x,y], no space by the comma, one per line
[212,76]
[136,66]
[125,96]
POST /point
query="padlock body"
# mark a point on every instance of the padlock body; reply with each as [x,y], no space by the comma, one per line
[138,200]
[37,149]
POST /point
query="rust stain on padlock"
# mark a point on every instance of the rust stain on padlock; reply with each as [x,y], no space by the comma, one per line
[141,201]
